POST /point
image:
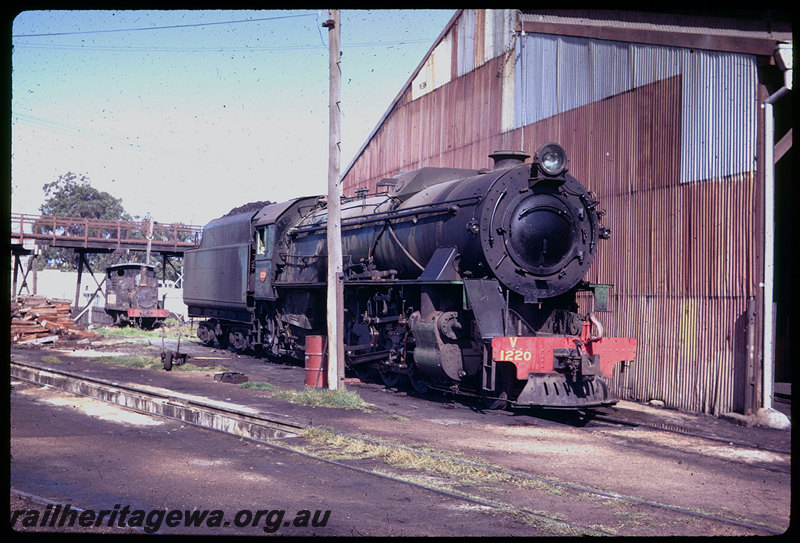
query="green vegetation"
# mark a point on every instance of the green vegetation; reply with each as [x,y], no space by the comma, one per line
[142,362]
[71,195]
[152,363]
[50,359]
[258,385]
[127,332]
[170,329]
[191,367]
[345,447]
[447,474]
[322,397]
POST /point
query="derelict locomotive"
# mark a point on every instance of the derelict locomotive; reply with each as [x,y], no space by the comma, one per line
[463,280]
[132,295]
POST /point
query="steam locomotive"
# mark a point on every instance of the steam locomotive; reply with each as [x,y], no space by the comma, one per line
[132,296]
[461,280]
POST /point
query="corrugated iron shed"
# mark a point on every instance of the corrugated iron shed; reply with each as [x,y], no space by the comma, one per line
[660,116]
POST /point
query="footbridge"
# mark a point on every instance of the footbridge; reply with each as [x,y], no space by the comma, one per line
[32,233]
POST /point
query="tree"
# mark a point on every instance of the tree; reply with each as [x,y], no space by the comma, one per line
[72,196]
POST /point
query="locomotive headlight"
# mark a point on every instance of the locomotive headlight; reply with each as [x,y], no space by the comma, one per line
[552,159]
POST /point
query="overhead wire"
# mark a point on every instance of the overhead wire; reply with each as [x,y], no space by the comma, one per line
[117,49]
[61,128]
[84,47]
[165,27]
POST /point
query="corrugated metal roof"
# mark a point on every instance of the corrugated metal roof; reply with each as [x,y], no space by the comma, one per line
[718,90]
[752,34]
[752,23]
[747,31]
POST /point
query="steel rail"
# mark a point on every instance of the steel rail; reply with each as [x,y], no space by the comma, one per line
[298,427]
[175,406]
[95,384]
[676,429]
[577,487]
[48,501]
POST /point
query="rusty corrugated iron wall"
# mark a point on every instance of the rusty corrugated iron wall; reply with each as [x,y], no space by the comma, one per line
[667,139]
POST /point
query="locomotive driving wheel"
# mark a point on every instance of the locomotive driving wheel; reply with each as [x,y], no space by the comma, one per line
[418,383]
[365,372]
[270,332]
[390,378]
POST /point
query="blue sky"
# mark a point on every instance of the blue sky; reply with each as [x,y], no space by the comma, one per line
[187,114]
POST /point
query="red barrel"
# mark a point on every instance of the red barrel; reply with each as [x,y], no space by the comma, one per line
[316,362]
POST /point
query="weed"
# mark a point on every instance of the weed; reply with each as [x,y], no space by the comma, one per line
[628,519]
[151,363]
[322,397]
[436,472]
[258,385]
[170,329]
[192,367]
[142,362]
[407,459]
[50,359]
[125,332]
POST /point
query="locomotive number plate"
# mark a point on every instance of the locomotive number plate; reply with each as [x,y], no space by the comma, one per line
[511,349]
[535,354]
[513,355]
[528,354]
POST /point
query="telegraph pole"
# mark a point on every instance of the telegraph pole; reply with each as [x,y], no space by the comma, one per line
[335,277]
[149,237]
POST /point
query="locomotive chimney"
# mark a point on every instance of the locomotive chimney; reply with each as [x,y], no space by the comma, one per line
[508,159]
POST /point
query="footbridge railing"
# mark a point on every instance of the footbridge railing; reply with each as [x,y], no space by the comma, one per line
[76,232]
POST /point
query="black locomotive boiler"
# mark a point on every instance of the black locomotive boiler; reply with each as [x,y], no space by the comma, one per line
[461,280]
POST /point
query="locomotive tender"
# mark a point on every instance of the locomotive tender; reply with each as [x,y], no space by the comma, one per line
[462,280]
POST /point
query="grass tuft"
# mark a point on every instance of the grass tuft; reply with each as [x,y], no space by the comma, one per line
[141,362]
[50,359]
[457,472]
[170,329]
[323,397]
[258,385]
[152,363]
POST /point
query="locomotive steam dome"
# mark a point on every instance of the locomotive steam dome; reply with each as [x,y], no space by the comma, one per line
[539,227]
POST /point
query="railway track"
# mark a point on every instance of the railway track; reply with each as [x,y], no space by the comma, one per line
[611,417]
[278,433]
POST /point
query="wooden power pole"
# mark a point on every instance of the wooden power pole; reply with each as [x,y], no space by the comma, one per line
[335,277]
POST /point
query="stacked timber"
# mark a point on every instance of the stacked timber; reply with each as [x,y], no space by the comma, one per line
[38,319]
